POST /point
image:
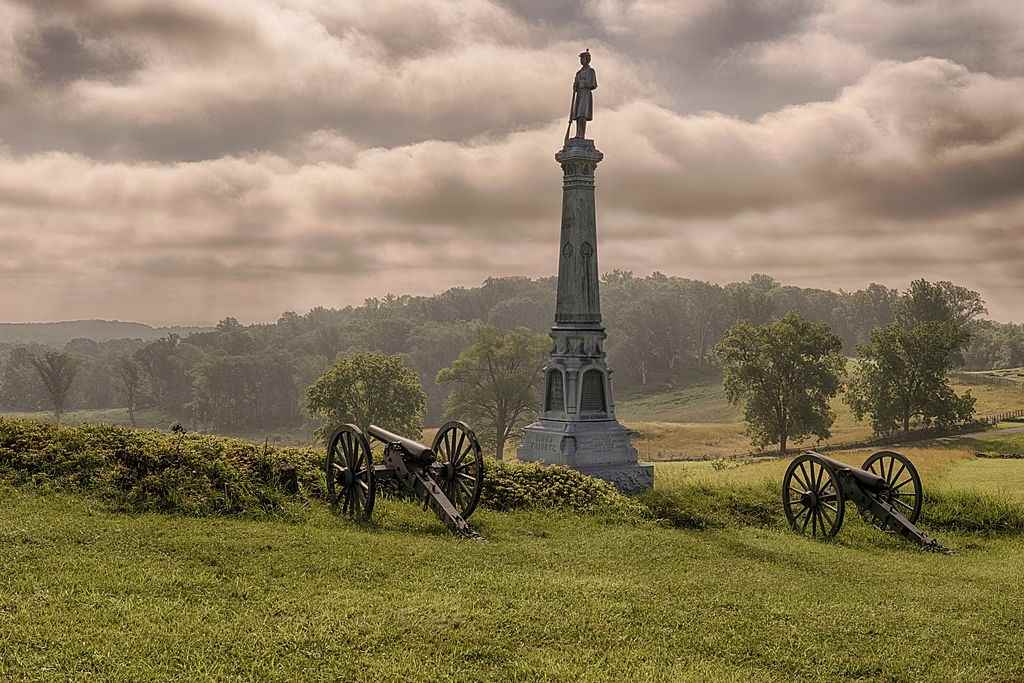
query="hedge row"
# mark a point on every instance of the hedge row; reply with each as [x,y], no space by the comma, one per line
[143,471]
[200,474]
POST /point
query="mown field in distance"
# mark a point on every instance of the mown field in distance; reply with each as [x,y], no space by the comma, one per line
[548,596]
[698,421]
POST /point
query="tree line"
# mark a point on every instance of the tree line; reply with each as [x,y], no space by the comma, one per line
[785,373]
[662,333]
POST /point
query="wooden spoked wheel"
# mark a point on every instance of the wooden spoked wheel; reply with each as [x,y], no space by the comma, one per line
[811,496]
[459,468]
[351,484]
[903,490]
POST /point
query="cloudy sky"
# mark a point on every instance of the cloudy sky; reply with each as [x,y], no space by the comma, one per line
[185,160]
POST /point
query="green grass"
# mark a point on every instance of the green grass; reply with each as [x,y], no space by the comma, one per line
[716,589]
[997,441]
[719,590]
[698,422]
[1003,477]
[548,596]
[700,403]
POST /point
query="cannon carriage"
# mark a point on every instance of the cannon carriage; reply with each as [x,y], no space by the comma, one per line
[886,490]
[446,476]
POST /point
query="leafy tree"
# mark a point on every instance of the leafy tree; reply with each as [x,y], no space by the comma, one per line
[167,363]
[95,384]
[245,391]
[365,389]
[866,309]
[130,377]
[157,360]
[785,372]
[57,372]
[706,304]
[901,375]
[496,382]
[751,301]
[19,385]
[995,345]
[435,346]
[939,302]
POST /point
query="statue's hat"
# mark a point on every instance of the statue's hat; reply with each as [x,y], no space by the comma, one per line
[585,52]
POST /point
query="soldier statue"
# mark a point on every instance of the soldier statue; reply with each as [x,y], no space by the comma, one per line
[583,87]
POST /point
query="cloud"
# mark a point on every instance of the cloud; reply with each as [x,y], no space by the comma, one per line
[190,80]
[188,160]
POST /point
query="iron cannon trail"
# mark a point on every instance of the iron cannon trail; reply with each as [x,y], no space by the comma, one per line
[447,476]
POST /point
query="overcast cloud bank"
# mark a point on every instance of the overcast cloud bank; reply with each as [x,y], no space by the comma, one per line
[191,160]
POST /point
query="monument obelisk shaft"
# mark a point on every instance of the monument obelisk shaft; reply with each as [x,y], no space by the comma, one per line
[577,426]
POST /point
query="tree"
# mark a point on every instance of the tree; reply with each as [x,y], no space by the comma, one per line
[435,346]
[157,360]
[785,372]
[19,385]
[57,372]
[365,389]
[901,375]
[130,377]
[707,306]
[256,390]
[496,383]
[939,302]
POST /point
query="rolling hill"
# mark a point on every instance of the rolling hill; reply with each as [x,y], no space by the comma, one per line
[57,334]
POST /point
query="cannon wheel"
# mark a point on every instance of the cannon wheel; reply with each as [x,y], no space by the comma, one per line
[812,498]
[459,468]
[904,492]
[351,484]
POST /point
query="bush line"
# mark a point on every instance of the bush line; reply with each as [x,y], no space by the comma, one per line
[200,474]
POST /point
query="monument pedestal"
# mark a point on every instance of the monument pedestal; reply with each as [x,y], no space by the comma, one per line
[599,449]
[577,426]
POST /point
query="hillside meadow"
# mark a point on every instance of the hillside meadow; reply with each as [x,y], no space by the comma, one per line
[718,589]
[698,421]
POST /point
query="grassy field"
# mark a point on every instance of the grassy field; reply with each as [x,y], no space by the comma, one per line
[87,593]
[698,421]
[157,419]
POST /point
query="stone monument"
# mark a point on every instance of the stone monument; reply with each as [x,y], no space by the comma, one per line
[577,425]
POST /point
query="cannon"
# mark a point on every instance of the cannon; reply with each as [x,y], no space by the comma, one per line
[886,490]
[448,476]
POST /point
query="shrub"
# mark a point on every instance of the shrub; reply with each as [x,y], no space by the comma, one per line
[200,474]
[517,486]
[153,471]
[701,506]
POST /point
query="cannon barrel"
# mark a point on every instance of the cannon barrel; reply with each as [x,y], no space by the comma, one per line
[867,479]
[413,448]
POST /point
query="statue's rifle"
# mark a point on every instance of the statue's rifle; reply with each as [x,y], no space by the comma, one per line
[572,108]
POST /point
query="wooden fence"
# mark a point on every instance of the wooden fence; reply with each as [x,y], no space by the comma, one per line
[1002,417]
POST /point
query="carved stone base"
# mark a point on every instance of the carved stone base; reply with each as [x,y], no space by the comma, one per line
[599,448]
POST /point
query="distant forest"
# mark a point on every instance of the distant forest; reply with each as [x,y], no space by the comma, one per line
[661,331]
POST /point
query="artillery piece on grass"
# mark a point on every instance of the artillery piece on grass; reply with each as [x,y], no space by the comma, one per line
[886,490]
[448,476]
